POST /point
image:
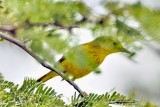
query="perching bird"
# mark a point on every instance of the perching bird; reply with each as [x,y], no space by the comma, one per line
[85,58]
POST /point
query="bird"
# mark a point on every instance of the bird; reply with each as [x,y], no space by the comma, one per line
[82,59]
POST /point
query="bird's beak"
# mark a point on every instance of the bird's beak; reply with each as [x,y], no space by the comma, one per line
[126,51]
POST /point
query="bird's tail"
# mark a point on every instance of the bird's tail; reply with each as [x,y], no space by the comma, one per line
[47,76]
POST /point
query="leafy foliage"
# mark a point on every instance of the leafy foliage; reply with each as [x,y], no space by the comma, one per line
[101,100]
[36,94]
[33,94]
[30,94]
[149,19]
[26,21]
[32,10]
[48,24]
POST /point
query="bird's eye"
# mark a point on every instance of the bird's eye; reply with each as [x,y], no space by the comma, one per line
[115,43]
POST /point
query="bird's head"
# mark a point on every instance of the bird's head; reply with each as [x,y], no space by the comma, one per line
[110,44]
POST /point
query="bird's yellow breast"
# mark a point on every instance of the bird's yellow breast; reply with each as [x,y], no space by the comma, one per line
[86,58]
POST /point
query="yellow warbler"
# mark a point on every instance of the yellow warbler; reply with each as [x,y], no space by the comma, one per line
[82,59]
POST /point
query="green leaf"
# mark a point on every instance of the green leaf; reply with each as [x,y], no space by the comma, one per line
[39,49]
[55,42]
[149,18]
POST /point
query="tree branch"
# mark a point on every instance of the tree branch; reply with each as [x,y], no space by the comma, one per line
[12,29]
[43,63]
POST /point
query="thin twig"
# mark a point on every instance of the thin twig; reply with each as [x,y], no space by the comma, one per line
[55,23]
[41,61]
[121,102]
